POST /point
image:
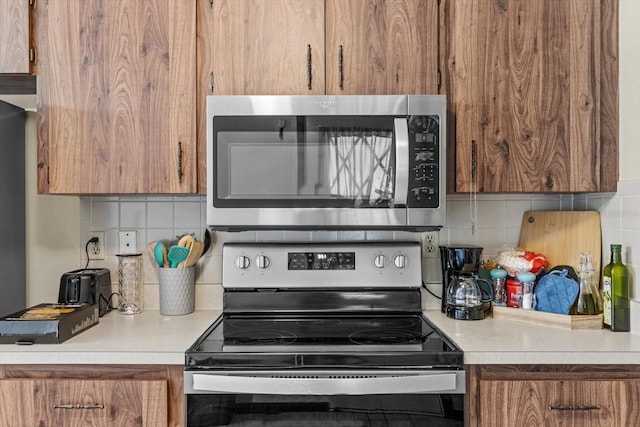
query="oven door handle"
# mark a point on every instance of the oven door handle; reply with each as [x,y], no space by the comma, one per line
[404,384]
[401,132]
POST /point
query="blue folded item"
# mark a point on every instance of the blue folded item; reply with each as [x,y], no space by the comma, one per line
[555,292]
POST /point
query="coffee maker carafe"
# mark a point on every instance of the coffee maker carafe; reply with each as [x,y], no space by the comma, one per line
[462,295]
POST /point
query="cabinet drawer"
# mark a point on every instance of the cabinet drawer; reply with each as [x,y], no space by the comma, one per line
[559,403]
[62,402]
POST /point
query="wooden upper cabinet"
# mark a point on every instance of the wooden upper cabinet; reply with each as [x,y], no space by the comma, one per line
[257,47]
[532,88]
[15,37]
[378,47]
[116,96]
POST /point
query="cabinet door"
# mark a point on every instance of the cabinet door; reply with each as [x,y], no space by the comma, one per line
[529,83]
[116,96]
[14,37]
[58,402]
[257,47]
[559,403]
[377,47]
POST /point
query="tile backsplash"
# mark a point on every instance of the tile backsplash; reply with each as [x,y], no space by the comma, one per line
[490,221]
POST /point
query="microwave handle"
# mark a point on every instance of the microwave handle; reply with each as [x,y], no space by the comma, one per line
[401,132]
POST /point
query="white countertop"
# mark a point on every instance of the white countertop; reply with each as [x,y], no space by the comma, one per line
[145,338]
[503,341]
[149,338]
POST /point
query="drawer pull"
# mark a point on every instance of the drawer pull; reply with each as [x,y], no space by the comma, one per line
[77,406]
[574,407]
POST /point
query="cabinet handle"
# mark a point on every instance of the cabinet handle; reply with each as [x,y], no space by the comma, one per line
[211,82]
[180,162]
[574,407]
[341,68]
[77,406]
[474,161]
[309,75]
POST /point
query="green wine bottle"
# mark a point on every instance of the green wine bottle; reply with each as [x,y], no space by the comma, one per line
[615,283]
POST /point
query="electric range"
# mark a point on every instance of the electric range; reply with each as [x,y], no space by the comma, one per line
[313,330]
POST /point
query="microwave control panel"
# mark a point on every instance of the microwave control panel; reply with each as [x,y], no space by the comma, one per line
[424,162]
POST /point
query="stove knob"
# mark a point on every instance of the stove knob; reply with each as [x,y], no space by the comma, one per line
[242,262]
[262,262]
[379,261]
[400,261]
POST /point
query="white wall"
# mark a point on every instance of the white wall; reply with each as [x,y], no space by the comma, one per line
[629,56]
[53,226]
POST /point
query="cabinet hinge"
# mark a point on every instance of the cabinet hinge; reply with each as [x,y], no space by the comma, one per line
[211,4]
[32,4]
[211,82]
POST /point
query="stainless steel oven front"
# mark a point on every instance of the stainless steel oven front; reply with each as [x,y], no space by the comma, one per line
[326,334]
[326,162]
[321,398]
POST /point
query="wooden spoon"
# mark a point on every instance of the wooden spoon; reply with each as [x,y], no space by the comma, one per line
[194,255]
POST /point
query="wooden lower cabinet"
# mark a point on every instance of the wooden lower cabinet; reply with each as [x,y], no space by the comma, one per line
[553,395]
[100,395]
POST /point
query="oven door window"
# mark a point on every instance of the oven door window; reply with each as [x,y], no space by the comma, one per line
[327,411]
[305,162]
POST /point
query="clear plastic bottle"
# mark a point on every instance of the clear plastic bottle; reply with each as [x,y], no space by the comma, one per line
[499,281]
[528,299]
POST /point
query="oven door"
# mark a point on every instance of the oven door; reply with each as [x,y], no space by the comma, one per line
[318,398]
[285,162]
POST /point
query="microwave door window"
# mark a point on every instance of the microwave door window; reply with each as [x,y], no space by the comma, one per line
[306,162]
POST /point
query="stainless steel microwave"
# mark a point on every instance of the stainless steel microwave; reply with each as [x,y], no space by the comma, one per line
[326,162]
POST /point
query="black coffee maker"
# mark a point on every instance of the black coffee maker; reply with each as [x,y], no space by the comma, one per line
[460,263]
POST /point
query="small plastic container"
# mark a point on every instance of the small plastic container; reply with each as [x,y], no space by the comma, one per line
[527,299]
[499,281]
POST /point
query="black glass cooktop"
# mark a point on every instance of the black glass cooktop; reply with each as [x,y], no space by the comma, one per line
[313,341]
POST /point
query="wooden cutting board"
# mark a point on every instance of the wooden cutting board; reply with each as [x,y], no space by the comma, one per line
[561,236]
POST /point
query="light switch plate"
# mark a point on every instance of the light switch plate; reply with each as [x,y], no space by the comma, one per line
[128,242]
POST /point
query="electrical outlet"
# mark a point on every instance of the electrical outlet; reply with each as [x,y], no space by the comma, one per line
[430,244]
[96,250]
[128,242]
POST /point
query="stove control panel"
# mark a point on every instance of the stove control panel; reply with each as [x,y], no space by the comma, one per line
[322,260]
[318,265]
